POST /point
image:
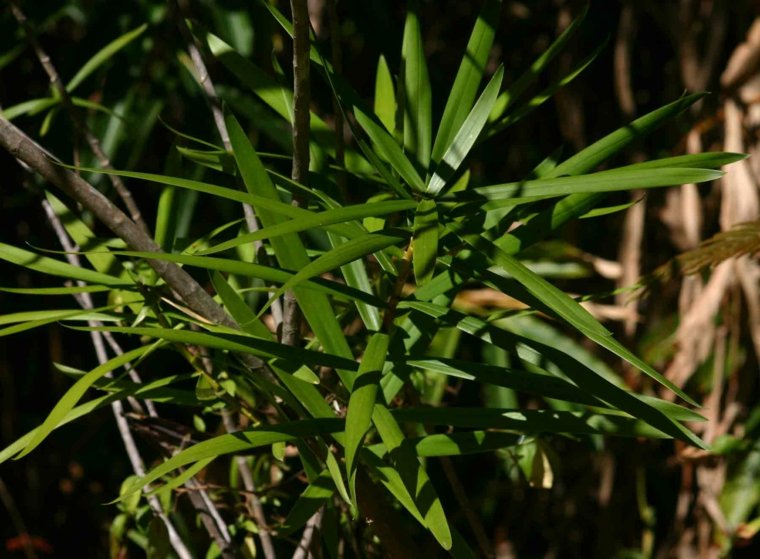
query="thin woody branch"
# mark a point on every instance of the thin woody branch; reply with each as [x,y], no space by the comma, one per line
[76,116]
[194,296]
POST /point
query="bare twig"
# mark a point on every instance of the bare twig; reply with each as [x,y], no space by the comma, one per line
[204,79]
[252,500]
[190,291]
[312,525]
[117,407]
[76,117]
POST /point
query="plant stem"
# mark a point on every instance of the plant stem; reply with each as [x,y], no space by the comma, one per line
[291,320]
[76,117]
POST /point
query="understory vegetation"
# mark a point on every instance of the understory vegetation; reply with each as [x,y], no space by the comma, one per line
[378,279]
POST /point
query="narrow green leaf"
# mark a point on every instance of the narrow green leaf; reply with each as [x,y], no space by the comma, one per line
[662,417]
[385,96]
[584,161]
[238,442]
[601,150]
[457,444]
[34,319]
[356,276]
[75,393]
[276,95]
[522,420]
[531,382]
[468,77]
[316,494]
[707,160]
[389,149]
[237,341]
[604,181]
[418,121]
[523,82]
[337,257]
[262,203]
[104,55]
[232,266]
[72,290]
[576,315]
[414,476]
[151,391]
[316,221]
[466,136]
[542,97]
[238,308]
[425,241]
[337,476]
[362,401]
[182,478]
[289,250]
[50,266]
[31,107]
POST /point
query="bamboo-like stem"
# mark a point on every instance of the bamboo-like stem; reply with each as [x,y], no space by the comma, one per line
[79,123]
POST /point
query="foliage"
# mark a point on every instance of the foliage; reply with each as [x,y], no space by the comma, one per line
[377,247]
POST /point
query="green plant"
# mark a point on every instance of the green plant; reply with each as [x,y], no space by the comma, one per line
[368,248]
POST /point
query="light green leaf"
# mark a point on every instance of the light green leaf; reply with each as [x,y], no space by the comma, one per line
[466,135]
[316,221]
[72,290]
[237,341]
[389,149]
[50,266]
[33,319]
[356,276]
[75,393]
[413,475]
[238,442]
[316,494]
[468,77]
[418,121]
[337,257]
[103,56]
[468,442]
[362,401]
[425,241]
[182,478]
[232,266]
[238,308]
[604,181]
[289,250]
[31,107]
[385,96]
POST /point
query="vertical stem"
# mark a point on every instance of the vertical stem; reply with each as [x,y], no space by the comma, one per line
[291,321]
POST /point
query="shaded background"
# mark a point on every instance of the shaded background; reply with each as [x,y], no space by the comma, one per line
[625,498]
